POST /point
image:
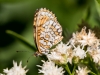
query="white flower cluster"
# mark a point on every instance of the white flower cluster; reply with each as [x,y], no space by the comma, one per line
[15,70]
[80,46]
[49,68]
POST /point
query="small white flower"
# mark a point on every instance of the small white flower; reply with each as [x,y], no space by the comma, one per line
[82,71]
[79,52]
[78,36]
[49,68]
[62,48]
[57,57]
[16,70]
[60,54]
[94,53]
[69,55]
[83,38]
[88,39]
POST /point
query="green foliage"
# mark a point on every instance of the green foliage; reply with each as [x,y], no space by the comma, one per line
[97,2]
[21,39]
[16,18]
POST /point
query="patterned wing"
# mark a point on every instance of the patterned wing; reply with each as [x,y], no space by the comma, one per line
[48,31]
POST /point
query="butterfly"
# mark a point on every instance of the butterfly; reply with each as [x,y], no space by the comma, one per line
[47,30]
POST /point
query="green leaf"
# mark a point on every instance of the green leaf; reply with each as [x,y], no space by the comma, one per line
[97,2]
[21,39]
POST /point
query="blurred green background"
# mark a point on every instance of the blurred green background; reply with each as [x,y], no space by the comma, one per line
[18,15]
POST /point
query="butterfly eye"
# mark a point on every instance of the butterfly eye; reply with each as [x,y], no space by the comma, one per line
[47,30]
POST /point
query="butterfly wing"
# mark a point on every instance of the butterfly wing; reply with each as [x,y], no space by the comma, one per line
[48,31]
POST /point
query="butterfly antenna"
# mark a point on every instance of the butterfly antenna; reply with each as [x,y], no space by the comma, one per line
[23,51]
[29,58]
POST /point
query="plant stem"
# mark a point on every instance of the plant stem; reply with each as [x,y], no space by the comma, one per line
[92,64]
[67,69]
[73,72]
[21,39]
[92,73]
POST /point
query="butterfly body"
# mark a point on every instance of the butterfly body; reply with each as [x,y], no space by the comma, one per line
[47,30]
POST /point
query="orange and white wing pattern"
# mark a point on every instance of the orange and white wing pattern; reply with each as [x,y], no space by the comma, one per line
[47,30]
